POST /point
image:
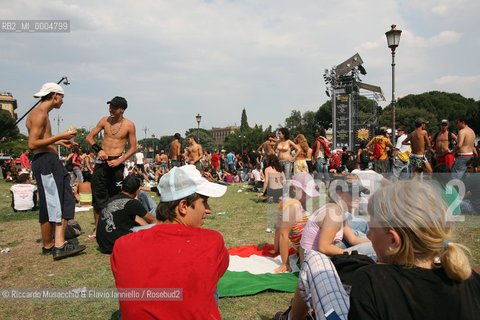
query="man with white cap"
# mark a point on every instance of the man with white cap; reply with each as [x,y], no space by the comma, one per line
[176,253]
[56,200]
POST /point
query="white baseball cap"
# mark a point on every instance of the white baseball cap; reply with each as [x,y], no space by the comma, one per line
[48,88]
[181,182]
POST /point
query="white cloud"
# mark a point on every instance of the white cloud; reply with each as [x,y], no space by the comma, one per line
[173,59]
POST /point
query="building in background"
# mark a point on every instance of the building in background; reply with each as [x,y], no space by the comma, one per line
[219,134]
[8,103]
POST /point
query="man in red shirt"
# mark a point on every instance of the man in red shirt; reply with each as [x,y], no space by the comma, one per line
[24,162]
[216,161]
[176,255]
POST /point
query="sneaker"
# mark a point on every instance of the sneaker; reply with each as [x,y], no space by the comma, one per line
[47,251]
[66,250]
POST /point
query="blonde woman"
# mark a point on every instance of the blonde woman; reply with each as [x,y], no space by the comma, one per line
[423,273]
[301,154]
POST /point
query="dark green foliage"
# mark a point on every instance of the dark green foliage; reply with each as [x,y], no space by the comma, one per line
[433,106]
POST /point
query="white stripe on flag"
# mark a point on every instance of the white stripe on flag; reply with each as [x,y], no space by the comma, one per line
[259,265]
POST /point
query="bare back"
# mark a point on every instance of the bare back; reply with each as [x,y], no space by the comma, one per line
[174,150]
[466,140]
[419,139]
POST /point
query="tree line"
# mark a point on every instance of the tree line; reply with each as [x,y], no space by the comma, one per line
[432,106]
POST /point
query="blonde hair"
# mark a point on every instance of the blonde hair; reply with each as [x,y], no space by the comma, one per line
[302,142]
[417,212]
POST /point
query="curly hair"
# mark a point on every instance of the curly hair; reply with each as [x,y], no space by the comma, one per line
[302,142]
[272,161]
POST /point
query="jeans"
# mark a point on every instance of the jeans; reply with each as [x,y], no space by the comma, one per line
[401,170]
[321,165]
[76,173]
[357,224]
[460,167]
[287,168]
[147,202]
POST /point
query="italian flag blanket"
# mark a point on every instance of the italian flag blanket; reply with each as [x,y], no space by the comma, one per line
[251,271]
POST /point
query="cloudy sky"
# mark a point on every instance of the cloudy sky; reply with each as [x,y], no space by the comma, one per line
[174,59]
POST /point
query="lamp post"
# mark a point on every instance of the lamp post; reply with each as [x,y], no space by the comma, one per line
[393,40]
[58,119]
[199,118]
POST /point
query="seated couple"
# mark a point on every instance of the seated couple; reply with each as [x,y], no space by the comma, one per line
[327,230]
[422,273]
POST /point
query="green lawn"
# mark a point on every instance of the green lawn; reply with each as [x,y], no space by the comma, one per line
[25,267]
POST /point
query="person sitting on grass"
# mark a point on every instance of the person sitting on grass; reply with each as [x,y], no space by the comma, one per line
[257,177]
[274,180]
[175,253]
[121,214]
[423,274]
[328,229]
[24,194]
[293,217]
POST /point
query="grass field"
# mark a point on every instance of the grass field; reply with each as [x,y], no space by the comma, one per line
[25,267]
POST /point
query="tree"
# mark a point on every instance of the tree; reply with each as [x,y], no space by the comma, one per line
[243,122]
[323,116]
[433,106]
[8,128]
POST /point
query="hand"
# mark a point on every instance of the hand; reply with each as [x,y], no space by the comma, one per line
[102,155]
[114,162]
[283,269]
[260,195]
[68,134]
[67,143]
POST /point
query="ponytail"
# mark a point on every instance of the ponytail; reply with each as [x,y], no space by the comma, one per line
[455,261]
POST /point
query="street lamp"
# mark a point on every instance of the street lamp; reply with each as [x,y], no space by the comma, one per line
[199,118]
[393,40]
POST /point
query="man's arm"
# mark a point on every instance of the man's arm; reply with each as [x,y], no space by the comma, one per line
[99,127]
[132,139]
[38,125]
[427,140]
[460,141]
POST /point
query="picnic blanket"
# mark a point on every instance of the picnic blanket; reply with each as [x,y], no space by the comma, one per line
[251,271]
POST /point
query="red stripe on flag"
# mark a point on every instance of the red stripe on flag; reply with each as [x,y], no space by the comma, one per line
[266,251]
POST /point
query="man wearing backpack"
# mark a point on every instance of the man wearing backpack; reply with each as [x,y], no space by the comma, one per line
[443,144]
[401,159]
[380,144]
[320,154]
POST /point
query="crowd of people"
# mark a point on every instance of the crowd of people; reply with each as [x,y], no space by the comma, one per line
[422,272]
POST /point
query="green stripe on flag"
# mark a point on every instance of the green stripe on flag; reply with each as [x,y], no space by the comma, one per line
[234,284]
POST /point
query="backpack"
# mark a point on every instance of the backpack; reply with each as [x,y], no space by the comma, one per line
[365,156]
[451,141]
[377,150]
[326,148]
[69,164]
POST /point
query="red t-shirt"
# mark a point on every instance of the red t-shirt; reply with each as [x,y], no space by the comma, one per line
[171,256]
[215,160]
[24,162]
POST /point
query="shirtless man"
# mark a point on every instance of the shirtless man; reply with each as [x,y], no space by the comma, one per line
[174,151]
[465,148]
[267,148]
[284,147]
[163,162]
[108,173]
[443,153]
[194,153]
[419,141]
[52,178]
